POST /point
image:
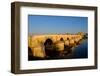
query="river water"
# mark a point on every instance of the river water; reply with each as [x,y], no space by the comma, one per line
[77,52]
[80,51]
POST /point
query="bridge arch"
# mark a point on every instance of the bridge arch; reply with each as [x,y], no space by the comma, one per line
[50,49]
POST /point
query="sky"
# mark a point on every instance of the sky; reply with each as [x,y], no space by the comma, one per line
[46,24]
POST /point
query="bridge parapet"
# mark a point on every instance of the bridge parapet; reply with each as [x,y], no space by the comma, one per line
[39,39]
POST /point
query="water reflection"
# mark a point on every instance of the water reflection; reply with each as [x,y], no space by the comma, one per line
[53,51]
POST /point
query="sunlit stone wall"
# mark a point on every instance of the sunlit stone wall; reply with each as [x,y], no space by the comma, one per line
[36,42]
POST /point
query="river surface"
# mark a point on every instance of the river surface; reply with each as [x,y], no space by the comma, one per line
[78,52]
[81,51]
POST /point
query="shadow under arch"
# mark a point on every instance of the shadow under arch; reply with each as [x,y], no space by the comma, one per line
[61,39]
[30,55]
[50,49]
[48,41]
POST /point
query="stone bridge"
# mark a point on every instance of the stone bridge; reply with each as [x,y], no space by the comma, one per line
[36,43]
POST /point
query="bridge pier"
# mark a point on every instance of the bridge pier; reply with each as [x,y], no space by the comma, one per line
[61,42]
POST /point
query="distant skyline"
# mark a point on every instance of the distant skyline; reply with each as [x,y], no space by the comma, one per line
[45,24]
